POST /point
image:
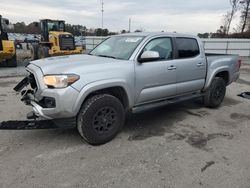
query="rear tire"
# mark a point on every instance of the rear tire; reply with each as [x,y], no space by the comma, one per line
[34,51]
[100,119]
[216,93]
[3,63]
[11,62]
[43,52]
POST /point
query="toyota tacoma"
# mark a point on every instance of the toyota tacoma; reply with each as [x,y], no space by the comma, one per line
[130,72]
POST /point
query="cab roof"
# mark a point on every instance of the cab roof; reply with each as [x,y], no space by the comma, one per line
[153,34]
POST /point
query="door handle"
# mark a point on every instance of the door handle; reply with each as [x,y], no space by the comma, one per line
[172,67]
[199,64]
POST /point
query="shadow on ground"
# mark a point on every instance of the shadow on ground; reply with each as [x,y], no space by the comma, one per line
[159,121]
[141,126]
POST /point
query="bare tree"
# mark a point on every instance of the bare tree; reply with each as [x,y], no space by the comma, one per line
[230,15]
[225,24]
[245,13]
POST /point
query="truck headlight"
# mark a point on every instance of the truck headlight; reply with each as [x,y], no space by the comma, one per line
[60,81]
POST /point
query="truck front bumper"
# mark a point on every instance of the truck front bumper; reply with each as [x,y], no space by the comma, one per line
[48,103]
[63,99]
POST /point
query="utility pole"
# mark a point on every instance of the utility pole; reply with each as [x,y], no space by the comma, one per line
[102,10]
[129,25]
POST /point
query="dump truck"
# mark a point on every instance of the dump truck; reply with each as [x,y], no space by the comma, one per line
[7,47]
[54,40]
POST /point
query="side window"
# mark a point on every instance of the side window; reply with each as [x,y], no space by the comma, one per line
[187,47]
[161,45]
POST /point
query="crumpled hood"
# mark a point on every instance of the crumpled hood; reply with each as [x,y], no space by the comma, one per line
[76,64]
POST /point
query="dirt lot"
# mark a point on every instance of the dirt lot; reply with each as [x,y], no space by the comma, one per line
[184,145]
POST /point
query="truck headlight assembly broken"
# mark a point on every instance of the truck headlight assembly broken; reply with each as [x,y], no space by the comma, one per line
[60,81]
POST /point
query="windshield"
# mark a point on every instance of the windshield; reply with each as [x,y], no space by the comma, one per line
[55,26]
[118,47]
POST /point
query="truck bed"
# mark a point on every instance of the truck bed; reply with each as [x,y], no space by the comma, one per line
[220,62]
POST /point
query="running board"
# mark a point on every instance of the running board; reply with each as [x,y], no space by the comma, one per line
[157,104]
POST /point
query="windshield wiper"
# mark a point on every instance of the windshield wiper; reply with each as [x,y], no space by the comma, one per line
[108,56]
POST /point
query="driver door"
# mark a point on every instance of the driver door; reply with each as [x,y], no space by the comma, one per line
[156,80]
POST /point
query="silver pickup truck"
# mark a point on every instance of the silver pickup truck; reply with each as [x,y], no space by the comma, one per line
[130,72]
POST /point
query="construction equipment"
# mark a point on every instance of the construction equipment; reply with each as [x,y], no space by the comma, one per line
[7,47]
[54,40]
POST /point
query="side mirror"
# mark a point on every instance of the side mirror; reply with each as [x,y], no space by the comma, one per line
[36,24]
[149,56]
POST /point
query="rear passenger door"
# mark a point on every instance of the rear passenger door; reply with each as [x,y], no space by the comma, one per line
[190,65]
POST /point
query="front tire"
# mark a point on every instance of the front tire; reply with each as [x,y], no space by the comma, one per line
[12,62]
[43,52]
[34,51]
[100,119]
[216,93]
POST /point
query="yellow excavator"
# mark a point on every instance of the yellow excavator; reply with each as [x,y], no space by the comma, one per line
[54,40]
[7,47]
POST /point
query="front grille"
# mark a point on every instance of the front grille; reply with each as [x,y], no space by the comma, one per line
[67,42]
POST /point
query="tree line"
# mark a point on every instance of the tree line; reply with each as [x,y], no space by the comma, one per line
[242,29]
[76,30]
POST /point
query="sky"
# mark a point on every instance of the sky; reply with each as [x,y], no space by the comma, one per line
[184,16]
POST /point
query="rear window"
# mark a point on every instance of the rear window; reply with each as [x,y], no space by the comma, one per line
[187,47]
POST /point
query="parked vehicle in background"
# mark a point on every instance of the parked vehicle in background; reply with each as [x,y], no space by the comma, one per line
[80,41]
[31,39]
[130,72]
[7,47]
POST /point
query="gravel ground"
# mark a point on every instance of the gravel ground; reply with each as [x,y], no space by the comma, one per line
[178,146]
